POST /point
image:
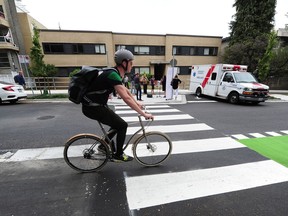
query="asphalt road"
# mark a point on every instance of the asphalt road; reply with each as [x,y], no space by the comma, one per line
[230,180]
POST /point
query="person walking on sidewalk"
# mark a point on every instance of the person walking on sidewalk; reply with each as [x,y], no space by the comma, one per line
[96,107]
[175,84]
[138,88]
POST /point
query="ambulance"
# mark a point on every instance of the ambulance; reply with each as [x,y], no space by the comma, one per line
[227,81]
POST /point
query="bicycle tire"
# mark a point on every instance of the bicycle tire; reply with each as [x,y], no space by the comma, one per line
[148,157]
[81,153]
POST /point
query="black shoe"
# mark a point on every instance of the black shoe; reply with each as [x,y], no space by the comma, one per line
[122,158]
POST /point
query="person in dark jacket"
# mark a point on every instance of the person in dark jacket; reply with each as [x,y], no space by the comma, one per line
[19,79]
[175,84]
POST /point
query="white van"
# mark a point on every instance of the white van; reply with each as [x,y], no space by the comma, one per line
[227,81]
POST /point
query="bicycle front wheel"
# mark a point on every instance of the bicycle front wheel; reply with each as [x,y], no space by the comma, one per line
[152,148]
[81,153]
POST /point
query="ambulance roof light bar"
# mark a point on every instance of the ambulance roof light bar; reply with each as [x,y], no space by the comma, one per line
[240,68]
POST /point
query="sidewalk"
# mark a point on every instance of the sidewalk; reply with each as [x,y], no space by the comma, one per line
[158,98]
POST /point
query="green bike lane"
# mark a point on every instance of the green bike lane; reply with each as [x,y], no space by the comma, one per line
[274,148]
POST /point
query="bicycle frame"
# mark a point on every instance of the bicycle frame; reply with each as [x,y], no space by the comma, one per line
[106,134]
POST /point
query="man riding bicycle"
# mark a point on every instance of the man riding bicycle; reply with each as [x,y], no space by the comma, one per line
[96,107]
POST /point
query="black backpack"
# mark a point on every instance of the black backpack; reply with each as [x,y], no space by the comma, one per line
[81,81]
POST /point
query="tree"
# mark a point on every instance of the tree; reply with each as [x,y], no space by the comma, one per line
[36,55]
[38,66]
[252,18]
[265,61]
[250,32]
[279,63]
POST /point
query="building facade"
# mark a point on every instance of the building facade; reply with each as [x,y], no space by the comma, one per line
[70,50]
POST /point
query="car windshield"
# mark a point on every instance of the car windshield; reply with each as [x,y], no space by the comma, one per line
[244,77]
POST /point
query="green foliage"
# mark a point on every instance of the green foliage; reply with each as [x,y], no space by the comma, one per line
[74,72]
[48,96]
[252,18]
[246,53]
[264,62]
[279,63]
[250,39]
[38,66]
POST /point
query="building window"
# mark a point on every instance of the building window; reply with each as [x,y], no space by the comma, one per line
[100,49]
[118,47]
[141,50]
[142,70]
[192,51]
[195,51]
[4,60]
[53,48]
[160,50]
[206,51]
[77,48]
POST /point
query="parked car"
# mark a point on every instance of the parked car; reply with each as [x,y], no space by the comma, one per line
[11,92]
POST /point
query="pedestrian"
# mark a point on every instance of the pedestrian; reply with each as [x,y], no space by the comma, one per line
[145,83]
[96,106]
[175,84]
[163,83]
[19,79]
[138,88]
[126,81]
[152,83]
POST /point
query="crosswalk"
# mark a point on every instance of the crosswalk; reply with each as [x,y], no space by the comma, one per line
[210,166]
[192,183]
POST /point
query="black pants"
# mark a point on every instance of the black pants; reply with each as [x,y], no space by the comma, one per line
[108,117]
[138,91]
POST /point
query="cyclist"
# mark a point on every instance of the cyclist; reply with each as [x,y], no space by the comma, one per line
[96,107]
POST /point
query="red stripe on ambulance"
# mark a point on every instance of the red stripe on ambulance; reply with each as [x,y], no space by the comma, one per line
[207,76]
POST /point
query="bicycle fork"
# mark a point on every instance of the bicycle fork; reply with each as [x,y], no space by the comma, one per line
[149,145]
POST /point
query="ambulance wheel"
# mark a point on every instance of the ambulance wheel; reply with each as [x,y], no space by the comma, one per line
[198,92]
[233,98]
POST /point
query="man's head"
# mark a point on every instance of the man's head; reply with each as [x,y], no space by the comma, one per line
[123,58]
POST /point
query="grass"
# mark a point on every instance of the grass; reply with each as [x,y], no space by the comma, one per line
[275,148]
[48,96]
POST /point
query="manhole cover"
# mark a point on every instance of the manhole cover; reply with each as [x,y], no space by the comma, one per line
[45,117]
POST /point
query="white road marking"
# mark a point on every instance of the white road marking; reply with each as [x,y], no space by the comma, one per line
[240,136]
[194,146]
[148,107]
[160,117]
[285,131]
[257,135]
[152,190]
[152,111]
[273,133]
[179,147]
[173,128]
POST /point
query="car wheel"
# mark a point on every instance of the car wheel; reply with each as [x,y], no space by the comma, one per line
[233,98]
[198,92]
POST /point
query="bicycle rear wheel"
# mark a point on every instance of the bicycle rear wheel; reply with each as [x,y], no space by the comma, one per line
[152,148]
[81,153]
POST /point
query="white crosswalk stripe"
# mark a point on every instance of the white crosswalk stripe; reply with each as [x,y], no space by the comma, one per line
[152,111]
[179,186]
[160,117]
[173,128]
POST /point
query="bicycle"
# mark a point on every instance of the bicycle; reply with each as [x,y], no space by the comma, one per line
[150,148]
